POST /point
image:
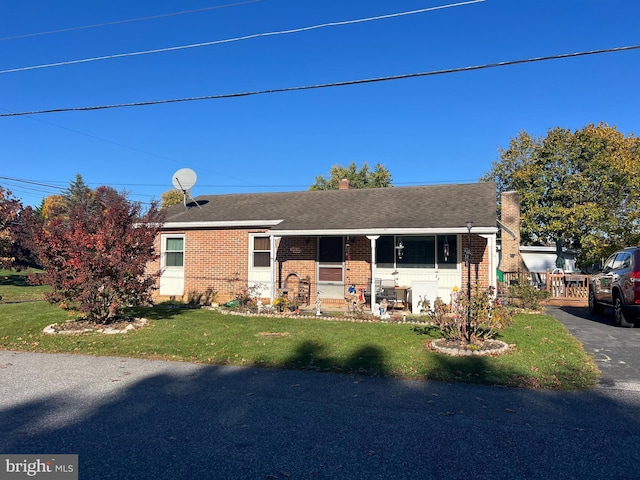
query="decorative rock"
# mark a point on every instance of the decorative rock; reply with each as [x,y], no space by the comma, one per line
[55,329]
[497,347]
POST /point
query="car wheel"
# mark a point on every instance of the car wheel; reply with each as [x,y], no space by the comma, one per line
[620,315]
[594,307]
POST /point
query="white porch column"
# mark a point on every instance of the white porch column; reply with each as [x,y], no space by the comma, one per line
[273,240]
[373,239]
[493,261]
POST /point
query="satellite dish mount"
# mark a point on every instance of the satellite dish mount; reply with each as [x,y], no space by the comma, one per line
[184,180]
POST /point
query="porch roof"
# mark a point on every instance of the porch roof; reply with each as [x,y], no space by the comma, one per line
[372,210]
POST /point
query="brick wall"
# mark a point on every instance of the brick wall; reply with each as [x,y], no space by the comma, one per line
[479,262]
[214,259]
[358,263]
[510,217]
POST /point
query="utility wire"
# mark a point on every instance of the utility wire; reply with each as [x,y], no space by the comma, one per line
[118,22]
[18,181]
[30,187]
[32,182]
[236,39]
[17,185]
[326,85]
[118,144]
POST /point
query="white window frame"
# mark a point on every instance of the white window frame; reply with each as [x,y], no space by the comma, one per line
[252,250]
[163,250]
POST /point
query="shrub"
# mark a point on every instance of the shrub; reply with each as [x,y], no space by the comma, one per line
[95,251]
[247,294]
[527,296]
[471,322]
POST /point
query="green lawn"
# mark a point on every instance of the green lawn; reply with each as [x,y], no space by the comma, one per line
[544,355]
[15,287]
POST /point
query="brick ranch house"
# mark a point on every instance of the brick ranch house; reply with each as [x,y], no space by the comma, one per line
[307,242]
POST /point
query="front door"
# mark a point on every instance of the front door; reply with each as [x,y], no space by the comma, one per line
[172,266]
[331,267]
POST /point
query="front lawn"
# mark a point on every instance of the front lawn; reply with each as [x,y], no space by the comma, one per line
[544,355]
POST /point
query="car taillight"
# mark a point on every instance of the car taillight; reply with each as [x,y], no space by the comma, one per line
[635,278]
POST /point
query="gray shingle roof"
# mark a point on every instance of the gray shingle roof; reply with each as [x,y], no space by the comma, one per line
[434,206]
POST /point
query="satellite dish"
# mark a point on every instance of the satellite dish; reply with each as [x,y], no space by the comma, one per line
[184,180]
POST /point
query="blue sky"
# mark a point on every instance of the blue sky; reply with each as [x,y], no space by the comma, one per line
[427,130]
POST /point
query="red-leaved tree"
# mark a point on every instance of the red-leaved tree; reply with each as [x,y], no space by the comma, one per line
[95,250]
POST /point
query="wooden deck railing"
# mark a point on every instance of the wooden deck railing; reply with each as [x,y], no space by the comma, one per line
[566,289]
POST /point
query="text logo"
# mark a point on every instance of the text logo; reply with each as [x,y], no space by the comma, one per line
[49,467]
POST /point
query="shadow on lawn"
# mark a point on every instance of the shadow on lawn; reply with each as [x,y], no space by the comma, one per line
[158,312]
[368,360]
[15,280]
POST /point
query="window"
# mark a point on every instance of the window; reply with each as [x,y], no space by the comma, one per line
[418,251]
[447,251]
[623,260]
[609,263]
[261,252]
[330,250]
[174,252]
[330,272]
[385,252]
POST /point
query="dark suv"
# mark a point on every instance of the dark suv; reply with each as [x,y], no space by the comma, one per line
[618,286]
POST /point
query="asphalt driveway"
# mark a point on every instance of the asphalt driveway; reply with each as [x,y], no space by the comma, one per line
[615,349]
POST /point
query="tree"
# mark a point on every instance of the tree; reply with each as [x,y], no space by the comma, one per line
[95,252]
[579,187]
[171,197]
[363,178]
[10,209]
[52,206]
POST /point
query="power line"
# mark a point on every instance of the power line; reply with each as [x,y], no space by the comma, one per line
[325,85]
[17,181]
[30,187]
[236,39]
[32,182]
[118,22]
[122,145]
[24,185]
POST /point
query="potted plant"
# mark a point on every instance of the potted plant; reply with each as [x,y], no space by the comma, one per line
[281,303]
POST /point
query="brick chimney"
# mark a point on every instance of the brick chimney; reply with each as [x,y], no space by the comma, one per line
[510,260]
[344,184]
